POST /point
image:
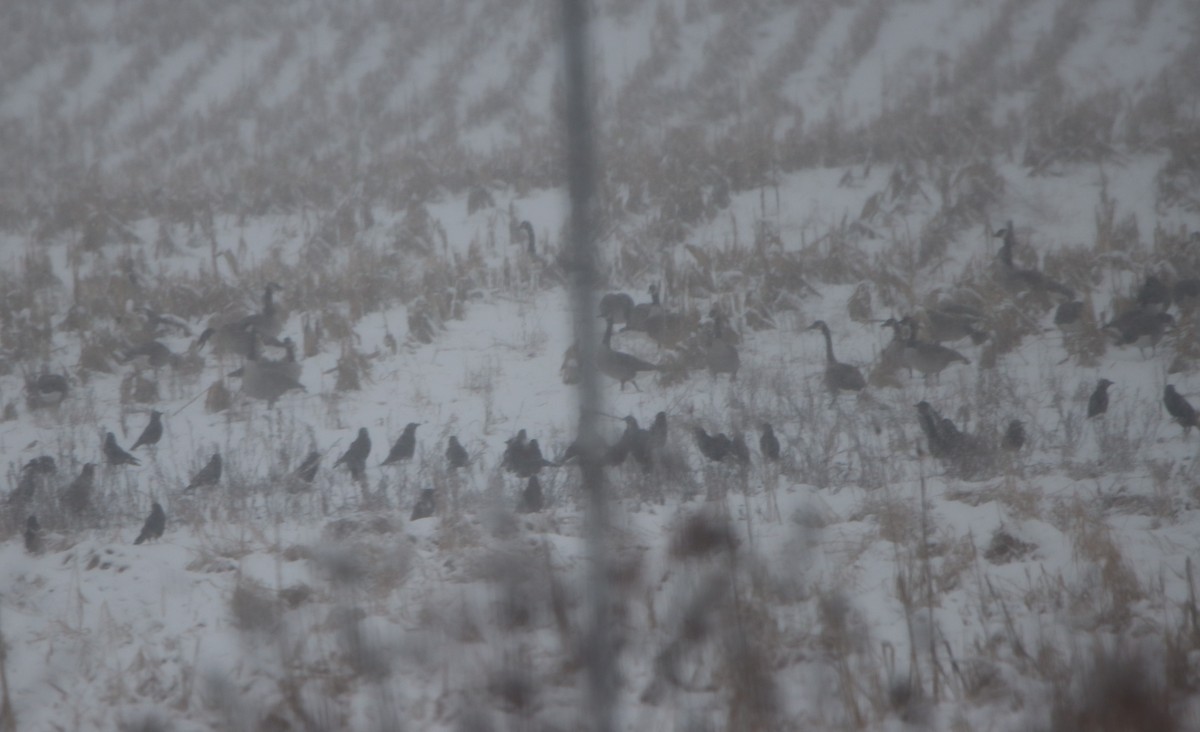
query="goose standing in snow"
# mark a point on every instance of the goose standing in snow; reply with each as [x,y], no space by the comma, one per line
[839,376]
[266,379]
[619,365]
[1019,279]
[928,358]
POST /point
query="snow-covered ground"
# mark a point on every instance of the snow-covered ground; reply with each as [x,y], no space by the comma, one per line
[264,598]
[860,582]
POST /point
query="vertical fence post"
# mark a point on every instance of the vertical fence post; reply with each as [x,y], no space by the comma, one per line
[581,181]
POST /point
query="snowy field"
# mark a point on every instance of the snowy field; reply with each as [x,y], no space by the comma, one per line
[864,580]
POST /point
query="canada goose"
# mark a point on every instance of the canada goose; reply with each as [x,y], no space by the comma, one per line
[405,447]
[1140,327]
[967,455]
[155,524]
[838,376]
[456,454]
[155,324]
[210,474]
[267,322]
[1153,294]
[113,453]
[425,506]
[928,358]
[1018,279]
[639,315]
[1014,436]
[619,365]
[46,390]
[34,474]
[768,443]
[721,356]
[616,305]
[1179,408]
[715,448]
[148,353]
[268,380]
[1068,316]
[953,325]
[1098,402]
[1185,292]
[238,336]
[531,497]
[77,497]
[355,456]
[153,432]
[668,328]
[33,535]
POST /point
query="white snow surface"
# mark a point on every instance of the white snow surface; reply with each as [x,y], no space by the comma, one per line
[327,607]
[100,631]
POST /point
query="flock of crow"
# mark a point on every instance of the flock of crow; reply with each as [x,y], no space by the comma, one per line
[713,346]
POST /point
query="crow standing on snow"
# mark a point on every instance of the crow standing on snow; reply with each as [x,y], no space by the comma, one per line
[77,497]
[153,432]
[210,474]
[532,461]
[514,450]
[658,431]
[713,448]
[155,524]
[523,457]
[769,443]
[405,446]
[456,454]
[355,456]
[115,455]
[1179,408]
[531,498]
[1098,402]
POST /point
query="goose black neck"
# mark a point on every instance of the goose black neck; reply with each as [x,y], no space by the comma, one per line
[528,229]
[828,344]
